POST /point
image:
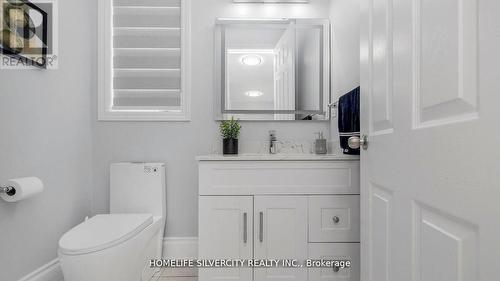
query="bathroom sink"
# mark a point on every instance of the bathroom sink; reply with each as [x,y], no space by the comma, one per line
[260,154]
[277,155]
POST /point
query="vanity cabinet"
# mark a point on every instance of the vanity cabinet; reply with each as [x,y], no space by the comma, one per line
[287,209]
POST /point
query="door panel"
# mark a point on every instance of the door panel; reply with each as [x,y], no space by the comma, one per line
[224,235]
[429,184]
[281,234]
[284,74]
[381,84]
[442,240]
[379,229]
[445,66]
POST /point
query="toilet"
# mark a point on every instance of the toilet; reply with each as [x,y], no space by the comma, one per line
[119,245]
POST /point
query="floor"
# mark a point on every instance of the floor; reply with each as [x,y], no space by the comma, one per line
[163,275]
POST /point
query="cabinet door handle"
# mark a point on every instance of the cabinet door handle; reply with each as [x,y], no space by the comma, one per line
[245,228]
[261,228]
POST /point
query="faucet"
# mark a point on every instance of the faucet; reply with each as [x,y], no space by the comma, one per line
[272,142]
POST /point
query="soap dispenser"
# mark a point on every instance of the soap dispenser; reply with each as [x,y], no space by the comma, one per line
[320,144]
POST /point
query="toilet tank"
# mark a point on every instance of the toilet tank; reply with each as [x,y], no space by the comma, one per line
[137,188]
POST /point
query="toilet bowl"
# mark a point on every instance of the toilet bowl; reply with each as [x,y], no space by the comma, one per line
[119,246]
[110,247]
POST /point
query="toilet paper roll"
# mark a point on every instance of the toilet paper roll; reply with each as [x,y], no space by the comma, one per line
[23,188]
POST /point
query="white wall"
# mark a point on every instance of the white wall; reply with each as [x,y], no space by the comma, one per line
[45,127]
[177,144]
[344,15]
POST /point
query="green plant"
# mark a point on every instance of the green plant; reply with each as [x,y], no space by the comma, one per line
[230,129]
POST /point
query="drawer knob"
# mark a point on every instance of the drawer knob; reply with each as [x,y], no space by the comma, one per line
[336,219]
[336,268]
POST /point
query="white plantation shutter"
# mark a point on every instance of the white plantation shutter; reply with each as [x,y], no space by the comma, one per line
[144,59]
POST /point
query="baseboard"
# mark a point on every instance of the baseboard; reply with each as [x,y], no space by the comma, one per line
[47,272]
[180,248]
[173,248]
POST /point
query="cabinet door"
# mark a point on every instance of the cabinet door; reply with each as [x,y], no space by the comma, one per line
[225,232]
[335,251]
[280,232]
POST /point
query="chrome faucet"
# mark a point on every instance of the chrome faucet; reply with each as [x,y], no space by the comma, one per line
[272,142]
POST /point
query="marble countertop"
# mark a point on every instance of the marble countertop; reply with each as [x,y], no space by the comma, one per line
[277,157]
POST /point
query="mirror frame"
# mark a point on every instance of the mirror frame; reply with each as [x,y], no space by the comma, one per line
[220,67]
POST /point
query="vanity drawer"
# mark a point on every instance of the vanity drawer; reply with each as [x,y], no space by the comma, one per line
[278,177]
[335,251]
[334,218]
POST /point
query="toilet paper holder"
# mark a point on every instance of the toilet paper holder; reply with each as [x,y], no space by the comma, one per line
[9,190]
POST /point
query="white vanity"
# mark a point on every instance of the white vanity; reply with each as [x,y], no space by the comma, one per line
[279,207]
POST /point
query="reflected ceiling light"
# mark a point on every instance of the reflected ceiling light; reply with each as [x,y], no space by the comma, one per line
[254,94]
[251,60]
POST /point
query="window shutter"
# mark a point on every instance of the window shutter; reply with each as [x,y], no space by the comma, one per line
[147,59]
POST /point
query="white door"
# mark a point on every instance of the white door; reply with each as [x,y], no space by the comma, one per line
[284,74]
[430,189]
[280,232]
[225,233]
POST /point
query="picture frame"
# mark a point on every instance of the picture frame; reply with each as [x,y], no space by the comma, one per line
[24,32]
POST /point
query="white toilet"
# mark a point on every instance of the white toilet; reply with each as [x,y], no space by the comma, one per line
[118,246]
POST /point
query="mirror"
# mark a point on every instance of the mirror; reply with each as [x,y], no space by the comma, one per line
[272,69]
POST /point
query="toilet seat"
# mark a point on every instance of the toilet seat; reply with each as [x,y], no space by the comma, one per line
[102,232]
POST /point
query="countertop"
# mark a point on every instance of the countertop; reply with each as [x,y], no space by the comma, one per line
[277,157]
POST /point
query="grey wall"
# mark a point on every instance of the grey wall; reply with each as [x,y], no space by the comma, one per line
[45,127]
[345,18]
[177,144]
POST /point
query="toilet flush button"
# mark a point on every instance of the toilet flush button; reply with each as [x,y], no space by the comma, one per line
[150,169]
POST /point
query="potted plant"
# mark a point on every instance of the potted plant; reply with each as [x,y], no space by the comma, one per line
[230,130]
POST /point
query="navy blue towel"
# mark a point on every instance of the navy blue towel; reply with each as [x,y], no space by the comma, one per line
[349,120]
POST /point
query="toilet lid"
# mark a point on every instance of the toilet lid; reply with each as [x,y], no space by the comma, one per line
[102,232]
